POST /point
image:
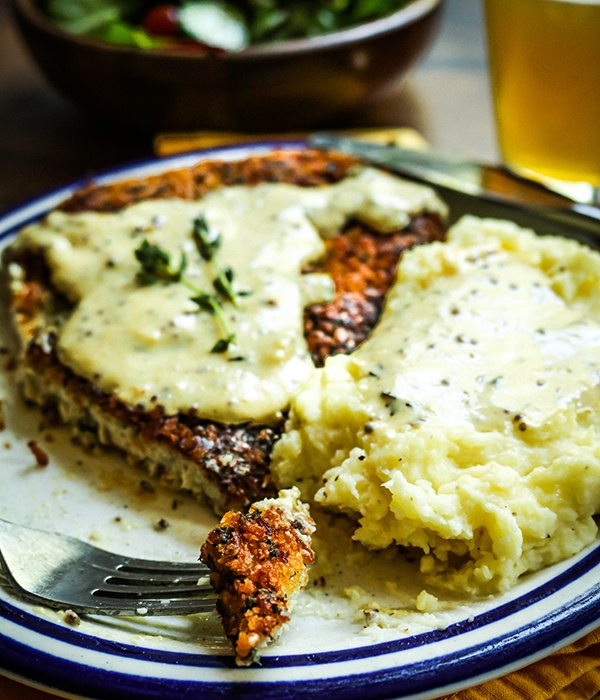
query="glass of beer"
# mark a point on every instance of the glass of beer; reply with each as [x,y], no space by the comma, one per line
[545,71]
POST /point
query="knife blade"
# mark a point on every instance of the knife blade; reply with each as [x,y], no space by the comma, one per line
[471,187]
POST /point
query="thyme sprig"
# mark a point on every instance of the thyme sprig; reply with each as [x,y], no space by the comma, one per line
[208,241]
[156,268]
[208,302]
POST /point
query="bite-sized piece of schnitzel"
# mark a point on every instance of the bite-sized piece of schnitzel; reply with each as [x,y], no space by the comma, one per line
[259,563]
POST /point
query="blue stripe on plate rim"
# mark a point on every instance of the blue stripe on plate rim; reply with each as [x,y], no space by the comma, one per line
[582,604]
[428,676]
[421,666]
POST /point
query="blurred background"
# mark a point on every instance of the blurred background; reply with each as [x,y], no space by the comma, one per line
[45,141]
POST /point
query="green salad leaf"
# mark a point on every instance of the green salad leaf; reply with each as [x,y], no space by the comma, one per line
[230,26]
[84,16]
[216,24]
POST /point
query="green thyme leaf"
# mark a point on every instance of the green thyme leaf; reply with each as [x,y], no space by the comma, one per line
[207,240]
[223,344]
[207,302]
[156,264]
[223,284]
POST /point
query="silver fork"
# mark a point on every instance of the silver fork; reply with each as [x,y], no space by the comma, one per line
[62,572]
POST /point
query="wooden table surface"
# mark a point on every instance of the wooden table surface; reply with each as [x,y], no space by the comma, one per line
[45,142]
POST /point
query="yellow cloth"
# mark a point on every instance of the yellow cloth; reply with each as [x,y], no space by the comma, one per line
[573,673]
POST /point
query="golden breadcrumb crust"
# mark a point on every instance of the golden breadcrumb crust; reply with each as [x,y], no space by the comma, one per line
[259,564]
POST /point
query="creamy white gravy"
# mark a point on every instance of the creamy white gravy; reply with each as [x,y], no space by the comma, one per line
[459,348]
[151,345]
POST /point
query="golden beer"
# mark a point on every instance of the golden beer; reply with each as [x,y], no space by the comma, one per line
[545,70]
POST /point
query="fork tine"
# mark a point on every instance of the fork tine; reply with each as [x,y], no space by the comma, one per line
[146,607]
[154,579]
[166,567]
[62,572]
[146,599]
[116,590]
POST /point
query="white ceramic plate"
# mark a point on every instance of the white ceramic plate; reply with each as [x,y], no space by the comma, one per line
[95,497]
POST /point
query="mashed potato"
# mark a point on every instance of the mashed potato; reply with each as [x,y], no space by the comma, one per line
[466,428]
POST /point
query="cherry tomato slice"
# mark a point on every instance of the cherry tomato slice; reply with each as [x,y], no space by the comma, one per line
[162,20]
